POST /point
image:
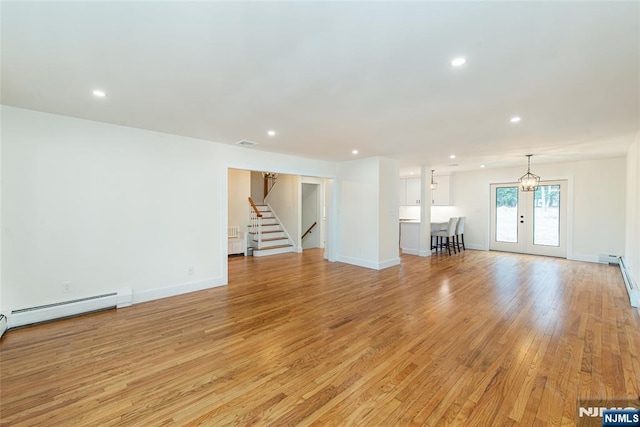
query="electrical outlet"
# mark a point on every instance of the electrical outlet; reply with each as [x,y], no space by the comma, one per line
[190,270]
[67,288]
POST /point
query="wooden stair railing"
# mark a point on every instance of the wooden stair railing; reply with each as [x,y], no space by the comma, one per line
[308,230]
[255,208]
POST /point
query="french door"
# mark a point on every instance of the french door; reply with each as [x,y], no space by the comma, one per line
[532,222]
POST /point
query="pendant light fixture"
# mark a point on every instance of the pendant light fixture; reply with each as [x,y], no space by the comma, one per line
[529,181]
[434,185]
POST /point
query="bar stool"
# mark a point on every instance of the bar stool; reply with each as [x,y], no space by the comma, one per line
[460,232]
[450,234]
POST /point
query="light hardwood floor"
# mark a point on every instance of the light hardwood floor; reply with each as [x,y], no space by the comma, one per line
[474,339]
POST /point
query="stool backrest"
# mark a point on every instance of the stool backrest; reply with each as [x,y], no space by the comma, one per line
[460,226]
[451,228]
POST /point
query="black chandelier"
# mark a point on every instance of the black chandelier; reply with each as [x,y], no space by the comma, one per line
[529,181]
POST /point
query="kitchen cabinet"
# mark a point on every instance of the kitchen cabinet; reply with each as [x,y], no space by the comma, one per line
[409,192]
[442,196]
[410,237]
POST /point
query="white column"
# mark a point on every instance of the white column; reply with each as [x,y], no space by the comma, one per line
[425,211]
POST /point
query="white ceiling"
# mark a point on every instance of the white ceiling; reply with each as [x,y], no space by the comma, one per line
[333,76]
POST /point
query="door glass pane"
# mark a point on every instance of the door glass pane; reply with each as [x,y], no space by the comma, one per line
[507,214]
[546,215]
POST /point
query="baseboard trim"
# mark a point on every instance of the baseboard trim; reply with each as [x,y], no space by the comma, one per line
[370,264]
[476,247]
[174,290]
[388,263]
[583,257]
[410,251]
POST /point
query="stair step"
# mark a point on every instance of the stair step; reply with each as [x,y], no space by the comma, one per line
[273,247]
[271,239]
[270,243]
[276,234]
[274,250]
[271,227]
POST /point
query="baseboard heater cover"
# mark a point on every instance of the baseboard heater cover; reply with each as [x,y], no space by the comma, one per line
[3,324]
[608,259]
[44,313]
[630,283]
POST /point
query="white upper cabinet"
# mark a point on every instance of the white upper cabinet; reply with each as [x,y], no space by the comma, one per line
[409,191]
[413,192]
[442,196]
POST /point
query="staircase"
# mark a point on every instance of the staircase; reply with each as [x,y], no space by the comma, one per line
[266,235]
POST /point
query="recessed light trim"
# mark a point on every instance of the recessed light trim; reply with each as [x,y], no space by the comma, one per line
[453,156]
[515,119]
[99,93]
[354,151]
[458,62]
[271,132]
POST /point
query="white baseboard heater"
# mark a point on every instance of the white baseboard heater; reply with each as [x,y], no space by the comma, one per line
[630,283]
[3,324]
[44,313]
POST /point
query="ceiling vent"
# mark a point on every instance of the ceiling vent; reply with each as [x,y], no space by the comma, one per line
[245,143]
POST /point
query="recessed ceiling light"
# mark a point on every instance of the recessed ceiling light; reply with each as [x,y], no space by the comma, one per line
[354,151]
[99,93]
[411,173]
[271,132]
[482,166]
[515,119]
[453,156]
[458,62]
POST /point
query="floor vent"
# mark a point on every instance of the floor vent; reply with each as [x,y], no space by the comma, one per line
[45,313]
[630,283]
[245,143]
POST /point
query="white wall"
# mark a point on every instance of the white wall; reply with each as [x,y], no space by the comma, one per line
[632,243]
[108,207]
[239,189]
[367,194]
[105,207]
[388,220]
[596,204]
[284,198]
[257,187]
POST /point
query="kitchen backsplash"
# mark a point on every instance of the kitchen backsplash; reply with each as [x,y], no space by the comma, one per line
[438,213]
[409,212]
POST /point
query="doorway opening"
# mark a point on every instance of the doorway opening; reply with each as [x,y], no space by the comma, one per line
[311,217]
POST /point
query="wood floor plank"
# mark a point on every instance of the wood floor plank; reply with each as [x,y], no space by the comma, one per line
[477,338]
